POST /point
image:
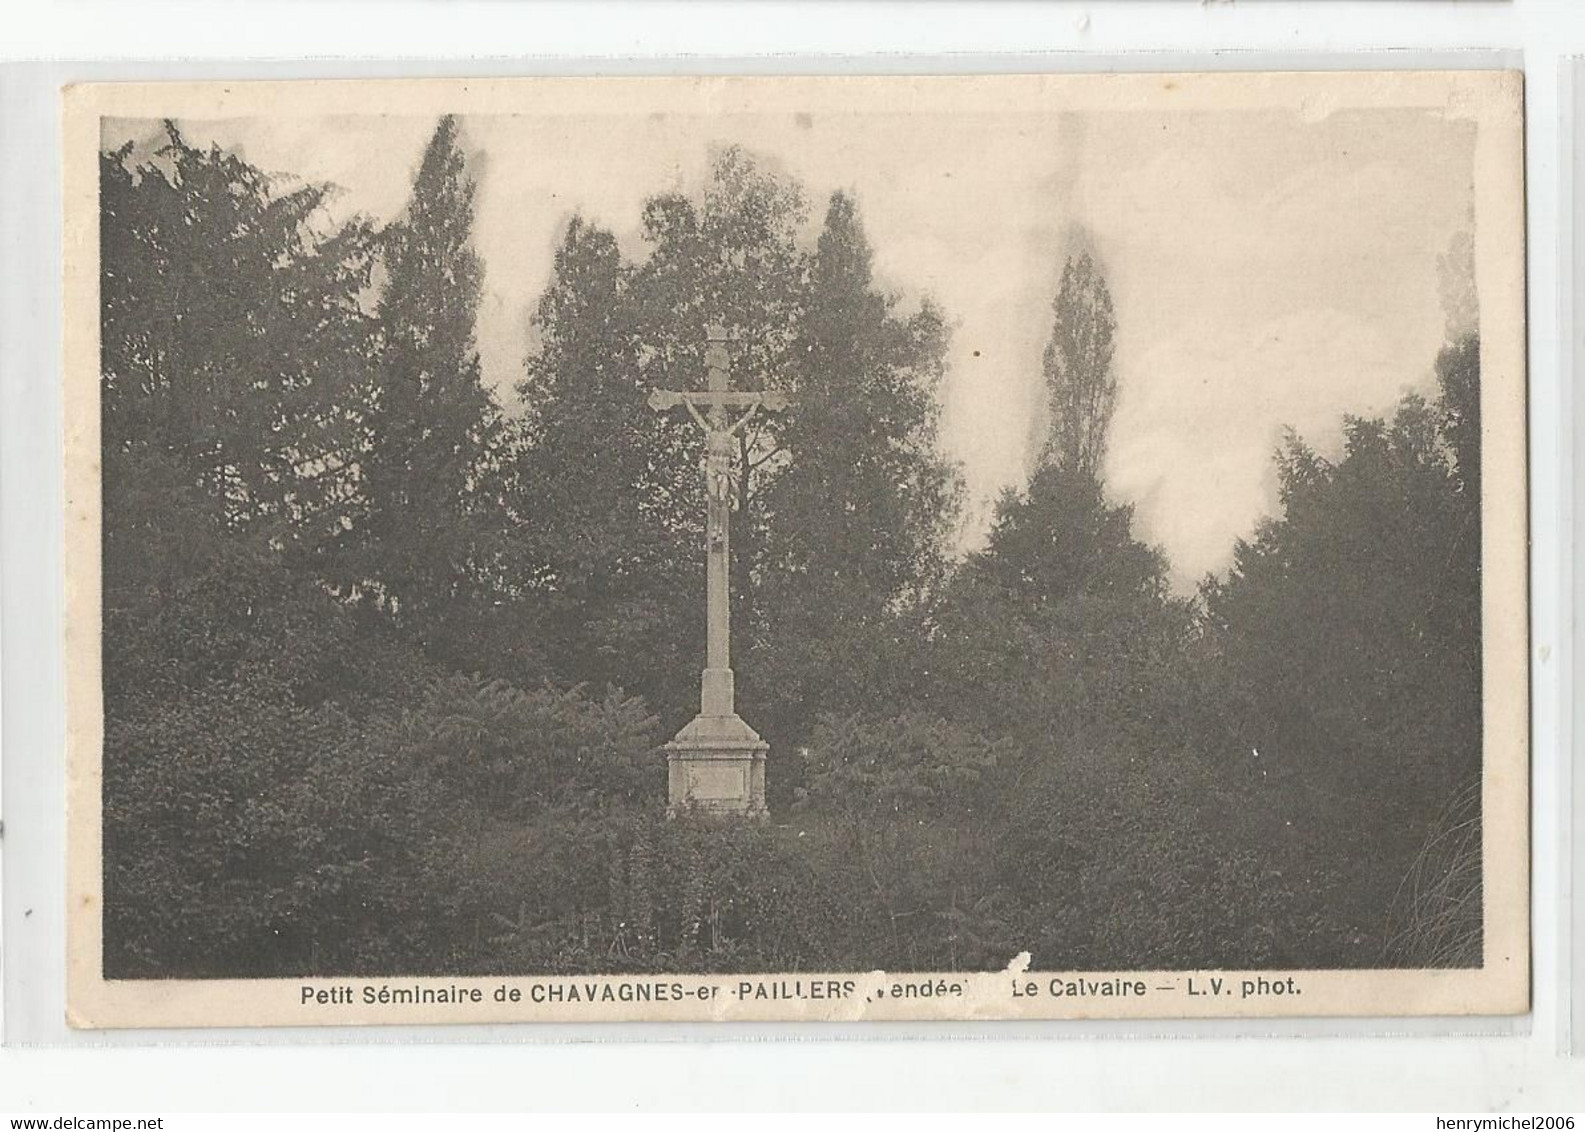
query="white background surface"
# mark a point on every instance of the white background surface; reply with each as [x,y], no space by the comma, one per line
[999,1068]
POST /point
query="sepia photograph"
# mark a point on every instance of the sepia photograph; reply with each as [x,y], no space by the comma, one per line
[797,548]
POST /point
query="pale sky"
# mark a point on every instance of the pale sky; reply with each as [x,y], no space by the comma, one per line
[1266,270]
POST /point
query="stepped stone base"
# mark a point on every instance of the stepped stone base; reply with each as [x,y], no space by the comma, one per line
[717,764]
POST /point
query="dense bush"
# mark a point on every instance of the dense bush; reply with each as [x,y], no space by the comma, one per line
[861,767]
[514,752]
[633,891]
[245,836]
[629,891]
[306,840]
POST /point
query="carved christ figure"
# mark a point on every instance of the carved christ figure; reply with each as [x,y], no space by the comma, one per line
[718,435]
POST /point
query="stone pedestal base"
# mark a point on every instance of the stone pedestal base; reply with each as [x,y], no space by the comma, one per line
[717,764]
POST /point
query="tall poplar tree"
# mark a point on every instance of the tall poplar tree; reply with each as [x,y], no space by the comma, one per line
[432,425]
[859,501]
[1081,389]
[605,499]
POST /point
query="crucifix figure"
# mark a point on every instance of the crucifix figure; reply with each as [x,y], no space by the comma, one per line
[717,762]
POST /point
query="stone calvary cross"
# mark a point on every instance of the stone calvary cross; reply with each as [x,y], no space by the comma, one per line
[717,762]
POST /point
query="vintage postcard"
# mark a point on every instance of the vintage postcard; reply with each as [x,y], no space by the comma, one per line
[840,548]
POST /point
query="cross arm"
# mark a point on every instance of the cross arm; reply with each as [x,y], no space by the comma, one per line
[772,400]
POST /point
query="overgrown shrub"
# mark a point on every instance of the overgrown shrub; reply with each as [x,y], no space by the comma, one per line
[633,891]
[305,841]
[861,765]
[513,751]
[279,848]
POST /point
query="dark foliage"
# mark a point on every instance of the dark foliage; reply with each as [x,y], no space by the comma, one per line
[387,670]
[1081,389]
[1347,643]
